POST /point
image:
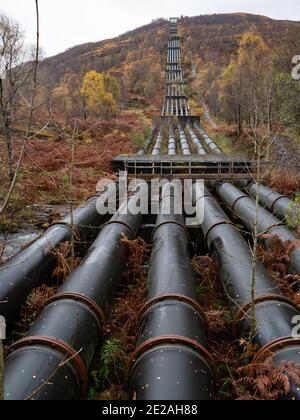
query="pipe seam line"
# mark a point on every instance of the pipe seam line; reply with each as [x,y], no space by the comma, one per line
[180,298]
[270,349]
[78,297]
[172,339]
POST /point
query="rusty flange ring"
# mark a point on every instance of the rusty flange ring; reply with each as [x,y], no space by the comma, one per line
[274,226]
[237,200]
[78,297]
[64,224]
[222,222]
[172,339]
[242,310]
[180,298]
[72,356]
[115,222]
[277,199]
[271,348]
[171,222]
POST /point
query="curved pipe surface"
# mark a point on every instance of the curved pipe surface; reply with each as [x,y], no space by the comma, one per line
[270,226]
[200,149]
[213,147]
[276,203]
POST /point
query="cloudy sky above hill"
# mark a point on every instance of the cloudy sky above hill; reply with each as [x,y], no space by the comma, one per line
[65,23]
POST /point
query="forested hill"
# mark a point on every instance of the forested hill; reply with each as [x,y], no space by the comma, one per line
[211,37]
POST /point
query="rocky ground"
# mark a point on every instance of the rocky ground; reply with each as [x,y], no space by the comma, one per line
[286,154]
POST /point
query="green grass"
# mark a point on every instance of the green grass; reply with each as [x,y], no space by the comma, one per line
[112,359]
[225,142]
[293,134]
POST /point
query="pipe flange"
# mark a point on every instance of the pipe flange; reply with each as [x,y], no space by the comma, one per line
[237,200]
[270,349]
[204,196]
[242,310]
[78,297]
[272,227]
[64,224]
[180,298]
[115,222]
[172,339]
[220,223]
[277,199]
[72,356]
[171,222]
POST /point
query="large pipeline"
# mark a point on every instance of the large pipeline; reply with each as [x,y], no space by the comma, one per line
[172,141]
[28,268]
[213,147]
[186,151]
[147,143]
[197,143]
[276,203]
[274,313]
[52,361]
[157,149]
[269,226]
[171,361]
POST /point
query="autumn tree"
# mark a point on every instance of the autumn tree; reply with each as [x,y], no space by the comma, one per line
[144,77]
[247,84]
[102,93]
[66,97]
[12,77]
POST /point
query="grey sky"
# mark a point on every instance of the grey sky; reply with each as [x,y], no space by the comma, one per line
[65,23]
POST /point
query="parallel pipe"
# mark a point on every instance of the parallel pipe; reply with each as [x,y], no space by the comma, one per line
[213,147]
[184,142]
[276,203]
[52,361]
[147,143]
[171,361]
[268,225]
[157,149]
[28,268]
[200,149]
[274,313]
[172,142]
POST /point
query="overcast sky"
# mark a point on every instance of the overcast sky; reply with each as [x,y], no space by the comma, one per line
[65,23]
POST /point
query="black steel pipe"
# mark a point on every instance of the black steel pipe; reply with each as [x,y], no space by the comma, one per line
[184,142]
[213,147]
[144,150]
[244,207]
[52,361]
[274,313]
[200,149]
[172,142]
[28,268]
[157,149]
[171,361]
[276,203]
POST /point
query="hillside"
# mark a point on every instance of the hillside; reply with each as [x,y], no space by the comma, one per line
[210,38]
